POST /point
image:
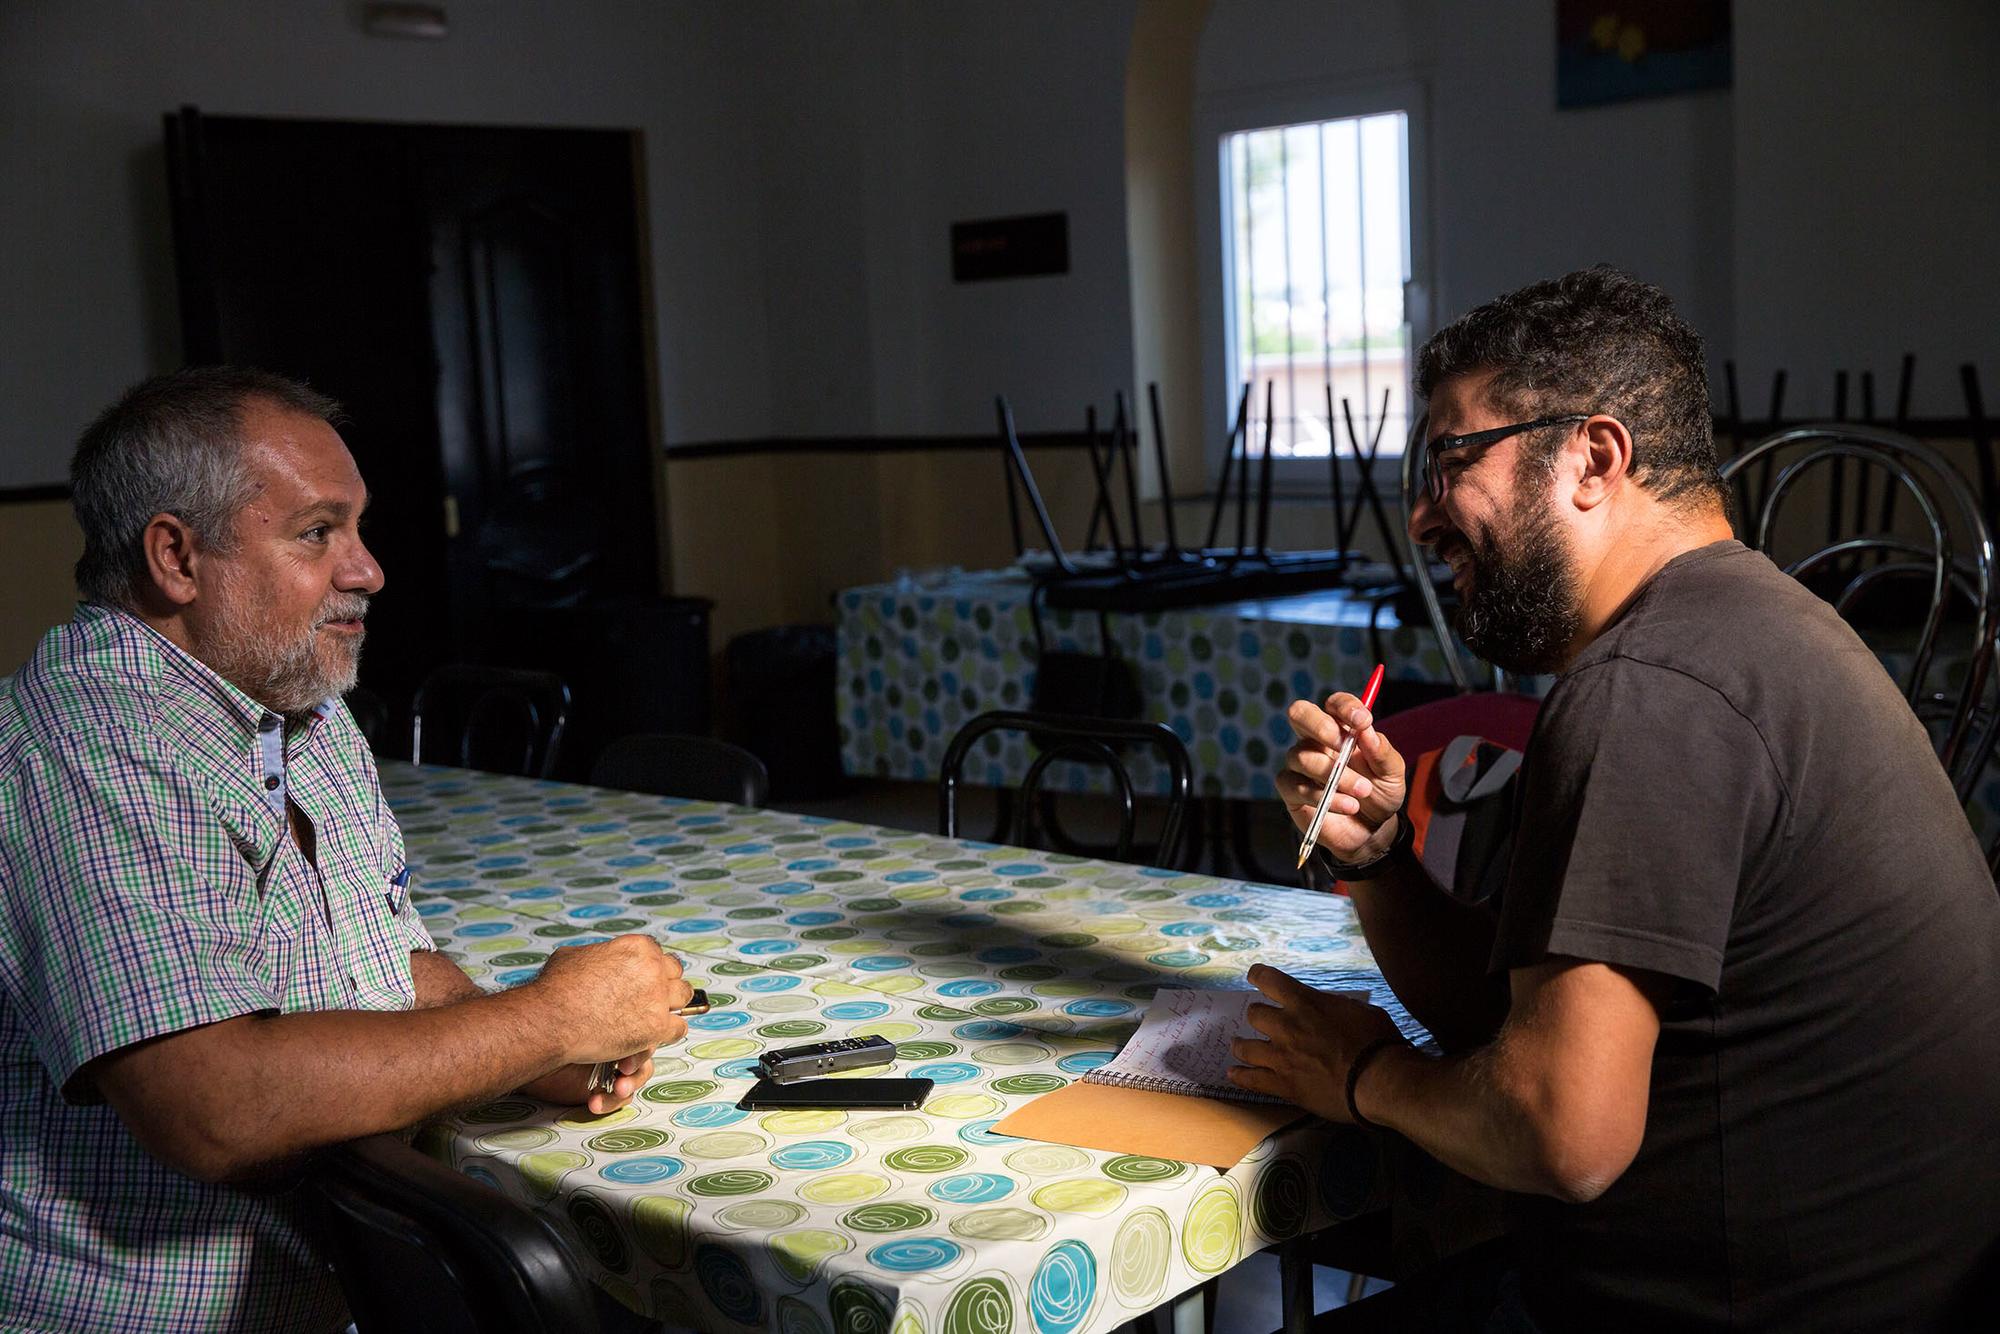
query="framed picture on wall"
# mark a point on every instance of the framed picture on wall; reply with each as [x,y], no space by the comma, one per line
[1616,50]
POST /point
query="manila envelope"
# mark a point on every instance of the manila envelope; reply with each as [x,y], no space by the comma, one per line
[1211,1131]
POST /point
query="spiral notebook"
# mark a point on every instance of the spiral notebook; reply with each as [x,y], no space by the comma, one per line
[1182,1046]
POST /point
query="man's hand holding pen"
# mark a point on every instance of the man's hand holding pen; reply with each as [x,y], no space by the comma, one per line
[1358,826]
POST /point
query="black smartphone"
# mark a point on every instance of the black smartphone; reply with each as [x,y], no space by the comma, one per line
[902,1094]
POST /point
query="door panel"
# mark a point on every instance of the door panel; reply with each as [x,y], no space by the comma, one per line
[473,296]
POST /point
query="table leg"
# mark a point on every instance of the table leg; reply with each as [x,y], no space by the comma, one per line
[1218,848]
[1189,1309]
[1295,1285]
[1003,815]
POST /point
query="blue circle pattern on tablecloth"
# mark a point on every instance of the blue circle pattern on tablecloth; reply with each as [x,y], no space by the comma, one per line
[1064,1286]
[641,1171]
[709,1115]
[948,1072]
[912,1255]
[981,1132]
[973,1188]
[728,1283]
[1099,1009]
[812,1155]
[854,1011]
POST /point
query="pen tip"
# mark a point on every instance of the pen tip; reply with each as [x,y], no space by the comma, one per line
[1302,861]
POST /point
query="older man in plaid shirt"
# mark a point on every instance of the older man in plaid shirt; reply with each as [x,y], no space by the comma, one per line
[202,893]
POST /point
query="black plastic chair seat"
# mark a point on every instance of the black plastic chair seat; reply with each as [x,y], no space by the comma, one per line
[421,1249]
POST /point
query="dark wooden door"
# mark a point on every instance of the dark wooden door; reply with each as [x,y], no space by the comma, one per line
[473,296]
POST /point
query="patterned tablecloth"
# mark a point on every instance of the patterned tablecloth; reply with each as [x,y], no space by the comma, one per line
[1001,974]
[919,660]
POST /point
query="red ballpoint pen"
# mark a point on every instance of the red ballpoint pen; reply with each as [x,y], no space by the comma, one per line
[1339,767]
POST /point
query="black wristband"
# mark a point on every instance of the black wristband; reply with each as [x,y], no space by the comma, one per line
[1399,846]
[1361,1060]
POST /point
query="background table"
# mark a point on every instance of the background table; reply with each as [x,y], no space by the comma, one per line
[1000,973]
[920,659]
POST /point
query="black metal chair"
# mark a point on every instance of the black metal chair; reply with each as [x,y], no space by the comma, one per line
[421,1249]
[1953,556]
[698,767]
[1096,741]
[506,720]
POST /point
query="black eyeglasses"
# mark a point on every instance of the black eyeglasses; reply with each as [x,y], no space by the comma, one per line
[1434,478]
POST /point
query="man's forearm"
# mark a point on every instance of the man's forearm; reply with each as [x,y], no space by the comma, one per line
[1433,949]
[245,1106]
[1555,1104]
[1458,1109]
[439,981]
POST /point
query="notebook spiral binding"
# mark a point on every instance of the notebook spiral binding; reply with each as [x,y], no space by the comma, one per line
[1156,1084]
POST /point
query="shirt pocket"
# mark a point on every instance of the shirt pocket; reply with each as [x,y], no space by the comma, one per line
[370,915]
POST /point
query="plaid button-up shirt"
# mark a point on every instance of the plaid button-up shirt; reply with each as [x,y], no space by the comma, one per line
[149,883]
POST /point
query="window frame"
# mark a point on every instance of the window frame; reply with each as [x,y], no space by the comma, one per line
[1220,115]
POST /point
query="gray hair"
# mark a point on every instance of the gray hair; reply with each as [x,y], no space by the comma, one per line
[170,445]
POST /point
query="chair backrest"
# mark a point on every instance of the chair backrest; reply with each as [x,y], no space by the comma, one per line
[370,715]
[505,720]
[419,1247]
[667,765]
[1419,566]
[1095,741]
[1505,718]
[1467,850]
[1952,556]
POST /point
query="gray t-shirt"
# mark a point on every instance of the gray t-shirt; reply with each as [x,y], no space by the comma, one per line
[1726,788]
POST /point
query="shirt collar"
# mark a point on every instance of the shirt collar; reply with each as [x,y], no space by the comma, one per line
[253,717]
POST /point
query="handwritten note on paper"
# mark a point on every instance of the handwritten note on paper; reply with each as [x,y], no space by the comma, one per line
[1182,1045]
[1184,1039]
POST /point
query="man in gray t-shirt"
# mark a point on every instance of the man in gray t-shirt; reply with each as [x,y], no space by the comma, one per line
[1729,1036]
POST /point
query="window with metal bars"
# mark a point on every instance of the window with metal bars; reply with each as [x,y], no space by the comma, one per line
[1316,263]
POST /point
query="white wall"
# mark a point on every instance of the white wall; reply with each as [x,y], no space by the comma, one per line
[804,163]
[1868,198]
[1833,209]
[1517,190]
[85,255]
[807,157]
[881,125]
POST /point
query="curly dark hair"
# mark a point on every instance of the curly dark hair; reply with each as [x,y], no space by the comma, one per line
[1597,340]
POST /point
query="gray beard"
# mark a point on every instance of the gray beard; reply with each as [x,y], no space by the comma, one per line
[1524,607]
[287,677]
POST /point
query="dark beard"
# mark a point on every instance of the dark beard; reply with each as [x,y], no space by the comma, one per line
[1523,607]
